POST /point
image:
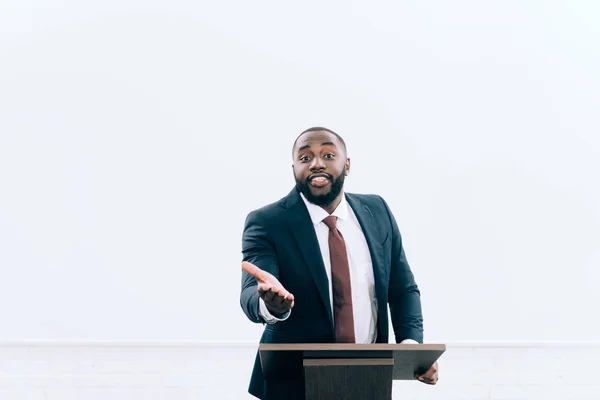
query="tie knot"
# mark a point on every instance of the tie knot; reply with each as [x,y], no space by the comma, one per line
[331,222]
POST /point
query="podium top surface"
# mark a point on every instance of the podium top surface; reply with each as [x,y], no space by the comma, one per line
[408,359]
[355,347]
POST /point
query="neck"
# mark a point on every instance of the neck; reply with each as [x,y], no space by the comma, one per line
[330,208]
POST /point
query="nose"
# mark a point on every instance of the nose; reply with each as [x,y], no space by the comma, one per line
[317,164]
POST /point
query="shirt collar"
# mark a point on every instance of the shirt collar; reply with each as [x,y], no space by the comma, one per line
[317,214]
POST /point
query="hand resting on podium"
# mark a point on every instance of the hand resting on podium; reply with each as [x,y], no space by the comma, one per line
[431,376]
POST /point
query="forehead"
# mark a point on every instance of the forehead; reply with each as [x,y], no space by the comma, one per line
[316,139]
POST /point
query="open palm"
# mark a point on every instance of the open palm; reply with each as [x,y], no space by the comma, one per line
[277,299]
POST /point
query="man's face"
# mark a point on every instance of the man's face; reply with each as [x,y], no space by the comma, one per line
[320,166]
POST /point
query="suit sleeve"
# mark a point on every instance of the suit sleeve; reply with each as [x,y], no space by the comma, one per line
[404,296]
[257,249]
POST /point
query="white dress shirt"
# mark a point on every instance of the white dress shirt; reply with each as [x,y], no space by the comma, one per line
[364,302]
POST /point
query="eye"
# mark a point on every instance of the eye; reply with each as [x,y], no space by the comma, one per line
[304,158]
[329,156]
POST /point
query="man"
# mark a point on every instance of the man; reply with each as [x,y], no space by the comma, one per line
[321,265]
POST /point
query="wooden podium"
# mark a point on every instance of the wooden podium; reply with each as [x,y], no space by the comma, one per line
[348,371]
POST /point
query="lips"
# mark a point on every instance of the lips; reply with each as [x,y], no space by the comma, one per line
[319,180]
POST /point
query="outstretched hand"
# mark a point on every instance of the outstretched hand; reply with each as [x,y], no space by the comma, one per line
[277,299]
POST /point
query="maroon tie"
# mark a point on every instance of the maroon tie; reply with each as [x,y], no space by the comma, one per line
[343,316]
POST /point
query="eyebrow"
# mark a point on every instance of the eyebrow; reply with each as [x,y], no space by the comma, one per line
[307,146]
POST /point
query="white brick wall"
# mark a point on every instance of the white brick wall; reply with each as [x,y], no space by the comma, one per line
[183,370]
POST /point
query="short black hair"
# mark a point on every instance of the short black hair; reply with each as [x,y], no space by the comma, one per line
[320,128]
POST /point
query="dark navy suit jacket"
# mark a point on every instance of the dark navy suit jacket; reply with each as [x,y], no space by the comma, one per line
[280,238]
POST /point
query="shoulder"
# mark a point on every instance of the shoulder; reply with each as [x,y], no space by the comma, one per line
[266,214]
[375,203]
[368,199]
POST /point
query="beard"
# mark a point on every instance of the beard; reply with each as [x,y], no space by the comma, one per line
[322,199]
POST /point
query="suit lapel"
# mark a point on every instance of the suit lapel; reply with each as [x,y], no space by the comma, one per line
[374,239]
[306,238]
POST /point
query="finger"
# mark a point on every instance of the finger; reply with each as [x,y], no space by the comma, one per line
[281,304]
[430,377]
[287,303]
[253,270]
[290,300]
[271,294]
[427,375]
[288,296]
[268,296]
[275,288]
[265,293]
[280,290]
[277,300]
[263,288]
[432,380]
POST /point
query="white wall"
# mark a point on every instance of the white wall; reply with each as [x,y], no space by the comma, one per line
[135,136]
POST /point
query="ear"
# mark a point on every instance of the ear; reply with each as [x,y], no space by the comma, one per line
[347,166]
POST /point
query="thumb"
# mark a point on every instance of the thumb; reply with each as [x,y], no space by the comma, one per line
[253,270]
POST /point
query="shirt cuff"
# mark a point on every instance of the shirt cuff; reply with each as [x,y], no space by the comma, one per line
[267,316]
[409,341]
